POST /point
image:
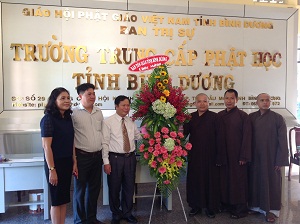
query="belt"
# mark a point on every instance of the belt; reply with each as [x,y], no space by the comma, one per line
[92,154]
[122,154]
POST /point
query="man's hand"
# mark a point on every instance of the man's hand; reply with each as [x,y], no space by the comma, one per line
[107,169]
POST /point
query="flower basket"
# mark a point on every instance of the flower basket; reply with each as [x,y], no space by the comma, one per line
[163,110]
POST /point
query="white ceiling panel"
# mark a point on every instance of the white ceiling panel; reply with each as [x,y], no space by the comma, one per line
[174,6]
[215,9]
[268,12]
[116,4]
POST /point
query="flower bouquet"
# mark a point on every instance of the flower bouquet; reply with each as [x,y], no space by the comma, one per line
[162,109]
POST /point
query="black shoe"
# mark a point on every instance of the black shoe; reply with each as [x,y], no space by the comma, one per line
[115,221]
[194,211]
[210,214]
[131,219]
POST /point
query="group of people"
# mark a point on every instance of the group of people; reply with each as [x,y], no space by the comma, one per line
[78,141]
[236,159]
[234,165]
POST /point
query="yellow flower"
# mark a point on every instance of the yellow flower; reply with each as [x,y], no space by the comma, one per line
[163,99]
[157,77]
[163,73]
[161,66]
[159,85]
[166,92]
[165,81]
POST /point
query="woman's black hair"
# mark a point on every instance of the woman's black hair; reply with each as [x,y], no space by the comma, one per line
[51,107]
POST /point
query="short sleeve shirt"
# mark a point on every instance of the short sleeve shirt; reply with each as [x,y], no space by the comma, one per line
[62,133]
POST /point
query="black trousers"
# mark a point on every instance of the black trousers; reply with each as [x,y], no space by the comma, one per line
[87,187]
[121,179]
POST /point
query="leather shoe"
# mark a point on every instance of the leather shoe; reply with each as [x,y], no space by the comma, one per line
[115,221]
[194,211]
[131,219]
[210,213]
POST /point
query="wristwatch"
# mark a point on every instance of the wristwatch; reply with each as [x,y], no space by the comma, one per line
[52,168]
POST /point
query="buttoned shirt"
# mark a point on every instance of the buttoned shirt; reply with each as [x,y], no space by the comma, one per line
[88,128]
[113,136]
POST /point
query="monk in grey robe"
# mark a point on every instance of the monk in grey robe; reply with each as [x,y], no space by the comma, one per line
[270,153]
[235,154]
[202,185]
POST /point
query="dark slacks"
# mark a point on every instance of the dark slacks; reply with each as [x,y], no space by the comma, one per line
[121,179]
[87,187]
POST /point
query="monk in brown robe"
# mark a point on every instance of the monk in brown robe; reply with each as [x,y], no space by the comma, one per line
[269,154]
[202,185]
[235,154]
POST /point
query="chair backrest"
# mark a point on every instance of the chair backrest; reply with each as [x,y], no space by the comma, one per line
[297,139]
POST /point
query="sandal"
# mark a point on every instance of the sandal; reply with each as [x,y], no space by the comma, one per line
[270,217]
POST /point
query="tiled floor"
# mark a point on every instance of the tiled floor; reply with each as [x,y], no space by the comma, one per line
[290,213]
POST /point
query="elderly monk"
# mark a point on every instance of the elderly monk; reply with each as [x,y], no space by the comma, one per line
[235,154]
[202,184]
[270,153]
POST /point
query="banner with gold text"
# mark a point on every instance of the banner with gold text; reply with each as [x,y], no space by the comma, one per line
[47,47]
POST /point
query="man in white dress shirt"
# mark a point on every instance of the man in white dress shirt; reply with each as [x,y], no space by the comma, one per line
[87,122]
[119,160]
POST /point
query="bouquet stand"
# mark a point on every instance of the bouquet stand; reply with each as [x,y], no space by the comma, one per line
[154,195]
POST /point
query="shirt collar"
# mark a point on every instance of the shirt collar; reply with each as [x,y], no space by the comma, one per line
[93,111]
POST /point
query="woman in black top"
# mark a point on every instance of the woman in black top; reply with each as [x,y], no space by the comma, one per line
[60,162]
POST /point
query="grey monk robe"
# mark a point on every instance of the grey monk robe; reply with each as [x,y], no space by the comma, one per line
[233,177]
[270,149]
[202,186]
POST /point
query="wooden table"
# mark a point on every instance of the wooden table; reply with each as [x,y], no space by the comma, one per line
[23,172]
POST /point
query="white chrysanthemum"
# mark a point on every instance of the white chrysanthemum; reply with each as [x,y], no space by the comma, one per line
[158,107]
[169,144]
[170,111]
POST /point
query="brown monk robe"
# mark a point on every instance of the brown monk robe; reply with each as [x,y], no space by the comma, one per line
[202,184]
[236,152]
[269,154]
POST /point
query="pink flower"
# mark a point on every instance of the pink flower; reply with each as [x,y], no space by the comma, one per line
[165,130]
[157,146]
[159,159]
[184,153]
[162,169]
[151,141]
[154,164]
[146,136]
[178,141]
[173,134]
[165,136]
[167,182]
[163,150]
[142,146]
[146,155]
[180,135]
[179,163]
[165,155]
[172,160]
[150,149]
[158,140]
[156,152]
[144,130]
[188,146]
[157,135]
